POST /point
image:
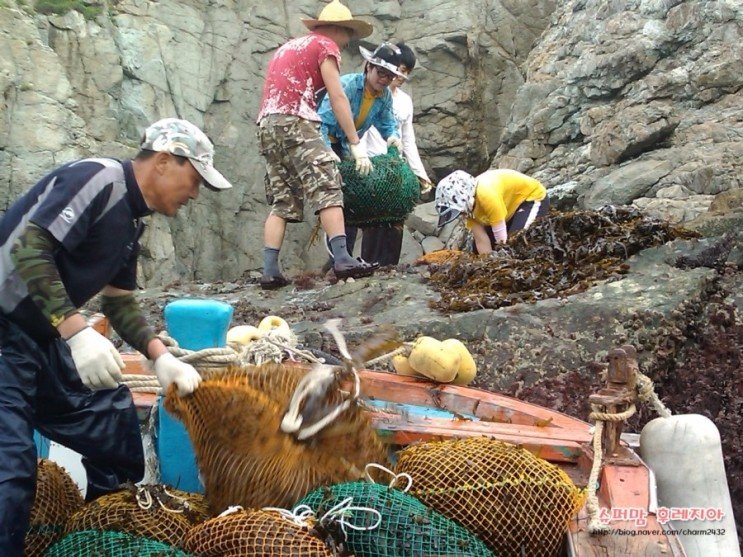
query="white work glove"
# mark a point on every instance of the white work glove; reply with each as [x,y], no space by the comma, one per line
[97,361]
[170,369]
[395,142]
[426,186]
[363,164]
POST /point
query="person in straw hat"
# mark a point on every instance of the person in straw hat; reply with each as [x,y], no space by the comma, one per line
[299,166]
[72,235]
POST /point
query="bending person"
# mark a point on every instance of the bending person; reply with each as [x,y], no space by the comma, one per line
[73,234]
[496,203]
[299,166]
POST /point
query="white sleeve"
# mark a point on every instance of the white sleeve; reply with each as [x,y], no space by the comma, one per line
[407,134]
[373,142]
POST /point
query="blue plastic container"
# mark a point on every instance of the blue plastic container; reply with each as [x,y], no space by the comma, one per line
[195,325]
[198,324]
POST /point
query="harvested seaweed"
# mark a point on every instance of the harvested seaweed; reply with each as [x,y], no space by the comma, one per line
[563,254]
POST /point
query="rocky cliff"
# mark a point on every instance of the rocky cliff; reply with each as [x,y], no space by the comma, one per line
[605,100]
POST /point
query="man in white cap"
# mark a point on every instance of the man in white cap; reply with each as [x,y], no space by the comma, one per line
[72,235]
[299,166]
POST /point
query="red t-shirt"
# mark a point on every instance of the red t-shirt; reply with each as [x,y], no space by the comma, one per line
[293,76]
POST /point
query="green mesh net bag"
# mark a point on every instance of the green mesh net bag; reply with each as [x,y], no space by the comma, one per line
[57,498]
[387,194]
[93,543]
[406,527]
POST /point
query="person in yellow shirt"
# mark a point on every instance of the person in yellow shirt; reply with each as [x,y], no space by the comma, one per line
[496,203]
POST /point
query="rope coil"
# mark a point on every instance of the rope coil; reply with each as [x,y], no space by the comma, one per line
[645,393]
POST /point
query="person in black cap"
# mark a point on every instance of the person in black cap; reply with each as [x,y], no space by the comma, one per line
[371,105]
[72,235]
[383,244]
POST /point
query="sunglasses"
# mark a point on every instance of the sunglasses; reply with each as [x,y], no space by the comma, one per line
[384,73]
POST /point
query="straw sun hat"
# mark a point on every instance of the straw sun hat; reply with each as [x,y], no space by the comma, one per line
[336,13]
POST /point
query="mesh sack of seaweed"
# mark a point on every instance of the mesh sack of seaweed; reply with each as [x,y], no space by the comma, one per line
[57,498]
[267,532]
[515,502]
[95,543]
[153,511]
[383,521]
[234,421]
[559,255]
[387,194]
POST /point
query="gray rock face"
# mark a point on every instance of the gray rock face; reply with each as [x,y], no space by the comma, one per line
[605,101]
[623,99]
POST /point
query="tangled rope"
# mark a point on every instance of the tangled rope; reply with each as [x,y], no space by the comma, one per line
[145,500]
[268,348]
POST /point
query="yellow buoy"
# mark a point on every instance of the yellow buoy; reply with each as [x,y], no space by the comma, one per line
[275,323]
[467,367]
[402,366]
[243,334]
[434,360]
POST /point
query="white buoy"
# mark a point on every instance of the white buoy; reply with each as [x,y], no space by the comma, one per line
[685,454]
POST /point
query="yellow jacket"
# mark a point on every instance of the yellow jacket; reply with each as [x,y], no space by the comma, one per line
[498,193]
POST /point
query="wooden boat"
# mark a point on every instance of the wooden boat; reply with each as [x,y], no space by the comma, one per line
[405,410]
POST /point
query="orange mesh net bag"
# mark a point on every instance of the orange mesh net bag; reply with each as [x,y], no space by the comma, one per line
[517,503]
[234,421]
[267,533]
[57,498]
[154,511]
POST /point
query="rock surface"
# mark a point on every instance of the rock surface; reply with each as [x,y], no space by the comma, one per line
[606,101]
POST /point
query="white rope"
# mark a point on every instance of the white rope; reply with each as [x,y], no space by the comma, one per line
[232,509]
[144,499]
[317,383]
[339,512]
[299,516]
[646,393]
[384,358]
[592,502]
[395,477]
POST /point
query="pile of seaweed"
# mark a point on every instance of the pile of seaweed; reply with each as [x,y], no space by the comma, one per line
[563,254]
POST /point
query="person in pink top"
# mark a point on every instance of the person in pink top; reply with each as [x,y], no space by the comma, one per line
[299,166]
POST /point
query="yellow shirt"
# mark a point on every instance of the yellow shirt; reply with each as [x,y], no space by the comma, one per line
[498,193]
[366,103]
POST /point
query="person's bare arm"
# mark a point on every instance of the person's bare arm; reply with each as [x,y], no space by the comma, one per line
[482,240]
[338,99]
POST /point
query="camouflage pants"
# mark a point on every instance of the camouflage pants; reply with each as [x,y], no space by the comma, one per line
[299,167]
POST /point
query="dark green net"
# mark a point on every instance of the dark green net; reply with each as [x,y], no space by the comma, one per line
[95,543]
[408,527]
[386,195]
